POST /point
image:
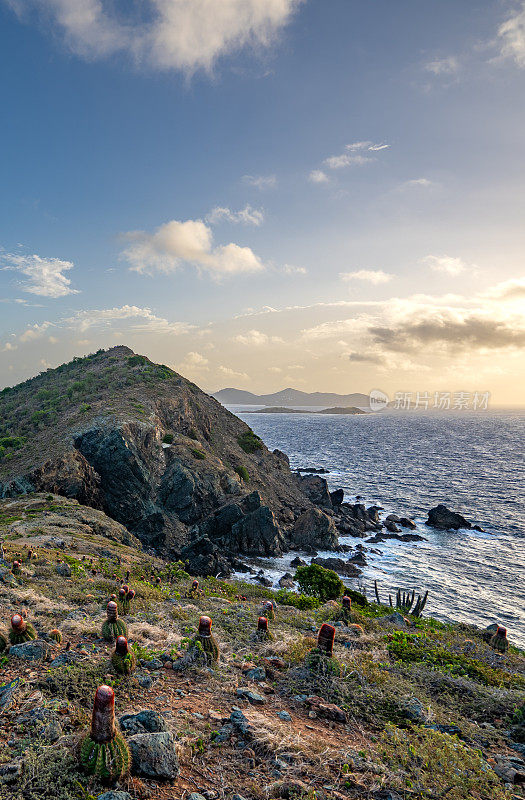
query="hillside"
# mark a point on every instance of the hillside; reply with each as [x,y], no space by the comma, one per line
[407,709]
[291,397]
[120,433]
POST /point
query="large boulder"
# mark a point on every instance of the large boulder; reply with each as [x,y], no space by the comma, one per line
[257,534]
[154,755]
[315,529]
[35,650]
[443,519]
[316,489]
[346,568]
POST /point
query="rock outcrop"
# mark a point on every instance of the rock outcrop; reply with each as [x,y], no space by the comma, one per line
[159,456]
[443,519]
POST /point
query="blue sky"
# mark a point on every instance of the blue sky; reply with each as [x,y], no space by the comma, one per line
[326,194]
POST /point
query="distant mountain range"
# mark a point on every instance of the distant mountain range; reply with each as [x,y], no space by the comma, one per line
[291,397]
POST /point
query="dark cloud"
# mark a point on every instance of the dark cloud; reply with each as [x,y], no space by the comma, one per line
[470,333]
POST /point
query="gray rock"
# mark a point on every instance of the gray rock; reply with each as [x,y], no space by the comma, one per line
[337,497]
[391,526]
[10,772]
[407,523]
[286,581]
[145,681]
[241,723]
[338,565]
[253,697]
[63,569]
[443,519]
[66,658]
[414,710]
[114,795]
[257,534]
[316,489]
[196,796]
[154,755]
[395,619]
[256,674]
[314,529]
[285,716]
[7,577]
[35,650]
[147,721]
[392,518]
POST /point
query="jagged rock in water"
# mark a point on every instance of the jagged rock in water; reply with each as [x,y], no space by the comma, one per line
[316,489]
[443,519]
[338,565]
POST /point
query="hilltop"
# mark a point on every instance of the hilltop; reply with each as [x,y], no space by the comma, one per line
[141,442]
[291,397]
[408,708]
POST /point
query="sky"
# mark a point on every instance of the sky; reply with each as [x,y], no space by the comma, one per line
[323,194]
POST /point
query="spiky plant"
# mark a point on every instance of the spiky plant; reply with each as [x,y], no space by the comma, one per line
[126,595]
[204,643]
[21,631]
[55,635]
[104,751]
[123,659]
[499,641]
[320,659]
[194,591]
[4,643]
[16,568]
[262,633]
[113,626]
[269,610]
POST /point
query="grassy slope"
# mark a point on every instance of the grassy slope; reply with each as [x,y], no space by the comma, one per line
[379,747]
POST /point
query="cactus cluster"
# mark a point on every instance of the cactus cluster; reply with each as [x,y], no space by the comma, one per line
[113,626]
[125,596]
[123,659]
[406,602]
[55,635]
[21,631]
[204,643]
[104,751]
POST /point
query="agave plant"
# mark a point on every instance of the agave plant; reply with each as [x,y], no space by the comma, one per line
[406,602]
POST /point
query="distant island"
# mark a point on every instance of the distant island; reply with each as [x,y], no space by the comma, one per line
[286,410]
[292,397]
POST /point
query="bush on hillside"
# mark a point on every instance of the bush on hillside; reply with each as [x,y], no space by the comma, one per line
[250,442]
[319,582]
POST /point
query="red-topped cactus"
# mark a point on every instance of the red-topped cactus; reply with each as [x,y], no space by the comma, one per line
[347,602]
[104,751]
[21,631]
[194,590]
[113,626]
[262,633]
[123,659]
[269,609]
[16,568]
[55,635]
[321,658]
[204,644]
[126,595]
[499,641]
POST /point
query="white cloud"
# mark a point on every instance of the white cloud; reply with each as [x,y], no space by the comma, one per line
[255,338]
[512,36]
[290,269]
[8,346]
[345,160]
[375,276]
[355,146]
[510,291]
[247,215]
[45,275]
[231,373]
[422,182]
[169,34]
[146,320]
[443,66]
[449,264]
[194,363]
[36,331]
[191,241]
[318,176]
[260,181]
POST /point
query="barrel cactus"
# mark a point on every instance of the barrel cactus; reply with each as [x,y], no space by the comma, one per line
[194,591]
[204,643]
[16,568]
[320,659]
[104,751]
[126,595]
[263,634]
[123,659]
[21,631]
[269,610]
[499,641]
[113,626]
[55,635]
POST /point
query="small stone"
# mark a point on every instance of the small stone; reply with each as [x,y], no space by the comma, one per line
[63,569]
[113,795]
[253,697]
[35,650]
[285,716]
[147,721]
[196,796]
[145,681]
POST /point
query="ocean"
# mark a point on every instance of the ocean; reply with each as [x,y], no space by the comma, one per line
[408,462]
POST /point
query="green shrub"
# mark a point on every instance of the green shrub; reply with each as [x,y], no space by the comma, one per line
[250,442]
[198,454]
[135,361]
[168,438]
[301,601]
[243,473]
[319,582]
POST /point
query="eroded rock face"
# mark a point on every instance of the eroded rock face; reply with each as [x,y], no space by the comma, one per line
[315,529]
[316,489]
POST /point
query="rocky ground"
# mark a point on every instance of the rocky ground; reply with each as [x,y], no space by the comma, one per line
[419,709]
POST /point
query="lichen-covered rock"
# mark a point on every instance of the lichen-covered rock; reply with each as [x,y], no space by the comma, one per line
[146,721]
[154,755]
[36,650]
